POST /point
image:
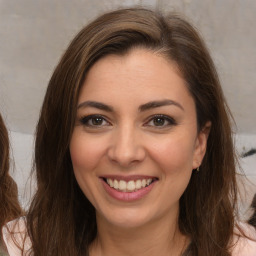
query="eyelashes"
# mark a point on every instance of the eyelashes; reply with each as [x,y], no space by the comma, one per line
[158,121]
[94,121]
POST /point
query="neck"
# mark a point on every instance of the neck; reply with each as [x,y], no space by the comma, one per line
[154,239]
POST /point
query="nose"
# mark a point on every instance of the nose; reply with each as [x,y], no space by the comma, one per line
[126,147]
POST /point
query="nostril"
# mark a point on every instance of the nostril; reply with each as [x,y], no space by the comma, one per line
[126,156]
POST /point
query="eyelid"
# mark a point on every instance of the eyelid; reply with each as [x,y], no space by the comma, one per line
[84,119]
[171,121]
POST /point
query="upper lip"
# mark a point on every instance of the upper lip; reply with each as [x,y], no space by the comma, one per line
[128,178]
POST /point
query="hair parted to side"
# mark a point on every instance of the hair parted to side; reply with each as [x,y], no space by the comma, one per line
[61,221]
[9,204]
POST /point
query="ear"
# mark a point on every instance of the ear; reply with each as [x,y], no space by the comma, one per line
[201,145]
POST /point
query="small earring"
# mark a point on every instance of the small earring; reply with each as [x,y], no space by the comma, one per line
[197,169]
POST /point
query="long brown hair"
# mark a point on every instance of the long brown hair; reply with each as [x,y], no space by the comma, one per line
[9,204]
[61,221]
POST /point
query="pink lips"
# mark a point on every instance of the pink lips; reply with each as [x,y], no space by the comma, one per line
[127,196]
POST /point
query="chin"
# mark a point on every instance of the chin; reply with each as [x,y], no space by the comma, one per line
[128,219]
[129,223]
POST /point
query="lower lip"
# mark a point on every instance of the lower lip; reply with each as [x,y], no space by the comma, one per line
[127,196]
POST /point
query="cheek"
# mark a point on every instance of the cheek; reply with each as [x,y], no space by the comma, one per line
[175,159]
[85,156]
[85,153]
[174,154]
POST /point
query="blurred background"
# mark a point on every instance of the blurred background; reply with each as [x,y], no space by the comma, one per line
[35,33]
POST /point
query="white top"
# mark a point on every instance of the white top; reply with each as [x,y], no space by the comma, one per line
[19,230]
[243,246]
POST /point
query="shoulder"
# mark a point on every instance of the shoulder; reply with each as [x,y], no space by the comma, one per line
[244,241]
[16,238]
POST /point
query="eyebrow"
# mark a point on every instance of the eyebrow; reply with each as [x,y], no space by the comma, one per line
[95,104]
[144,107]
[157,104]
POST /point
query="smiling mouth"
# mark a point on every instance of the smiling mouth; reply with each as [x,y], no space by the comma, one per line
[129,186]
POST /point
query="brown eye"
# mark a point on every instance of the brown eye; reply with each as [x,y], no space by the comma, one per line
[94,121]
[161,121]
[97,120]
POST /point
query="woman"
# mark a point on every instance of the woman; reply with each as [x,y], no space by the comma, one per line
[134,152]
[9,206]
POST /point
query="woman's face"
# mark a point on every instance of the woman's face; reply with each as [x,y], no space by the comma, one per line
[135,142]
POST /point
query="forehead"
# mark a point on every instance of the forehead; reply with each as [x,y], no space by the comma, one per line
[139,75]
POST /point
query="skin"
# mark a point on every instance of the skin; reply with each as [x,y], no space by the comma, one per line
[130,140]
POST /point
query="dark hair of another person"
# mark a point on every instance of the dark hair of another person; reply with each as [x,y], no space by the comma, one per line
[61,220]
[252,220]
[9,204]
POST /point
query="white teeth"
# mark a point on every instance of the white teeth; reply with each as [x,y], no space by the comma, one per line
[138,184]
[149,181]
[122,185]
[110,182]
[116,185]
[143,183]
[129,186]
